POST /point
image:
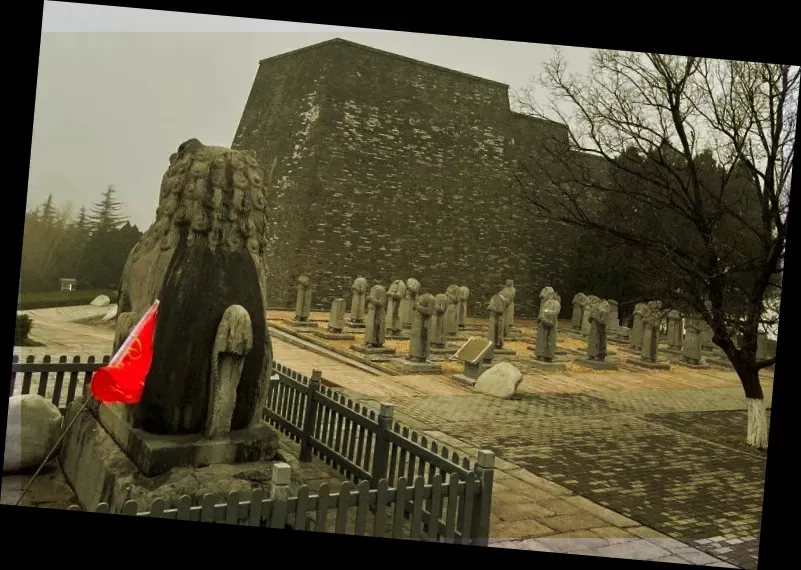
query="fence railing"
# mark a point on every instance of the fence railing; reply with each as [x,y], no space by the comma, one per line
[438,511]
[362,444]
[367,446]
[68,377]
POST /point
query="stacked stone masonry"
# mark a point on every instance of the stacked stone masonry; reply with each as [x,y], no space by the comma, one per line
[387,167]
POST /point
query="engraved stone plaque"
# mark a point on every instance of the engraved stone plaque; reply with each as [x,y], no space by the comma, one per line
[474,350]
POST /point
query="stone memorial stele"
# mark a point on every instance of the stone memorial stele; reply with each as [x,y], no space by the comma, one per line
[407,304]
[463,295]
[452,311]
[395,294]
[509,293]
[303,303]
[578,307]
[359,290]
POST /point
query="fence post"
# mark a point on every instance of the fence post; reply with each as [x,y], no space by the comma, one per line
[485,469]
[381,452]
[309,416]
[281,475]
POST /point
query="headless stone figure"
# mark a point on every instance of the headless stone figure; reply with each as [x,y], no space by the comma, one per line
[303,303]
[509,293]
[464,295]
[497,309]
[578,308]
[585,314]
[545,348]
[674,329]
[452,312]
[407,304]
[376,311]
[636,334]
[650,337]
[336,319]
[395,294]
[420,343]
[438,321]
[599,323]
[691,345]
[613,322]
[359,289]
[762,346]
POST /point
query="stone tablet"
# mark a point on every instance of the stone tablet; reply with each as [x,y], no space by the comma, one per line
[474,350]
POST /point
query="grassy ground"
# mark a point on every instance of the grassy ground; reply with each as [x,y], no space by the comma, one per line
[47,299]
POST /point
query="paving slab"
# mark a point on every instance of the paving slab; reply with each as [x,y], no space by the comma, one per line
[632,550]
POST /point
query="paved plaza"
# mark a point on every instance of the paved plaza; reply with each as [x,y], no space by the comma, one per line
[630,463]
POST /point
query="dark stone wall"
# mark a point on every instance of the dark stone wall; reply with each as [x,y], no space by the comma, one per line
[389,168]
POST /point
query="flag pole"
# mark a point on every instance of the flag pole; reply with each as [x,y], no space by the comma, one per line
[117,356]
[50,453]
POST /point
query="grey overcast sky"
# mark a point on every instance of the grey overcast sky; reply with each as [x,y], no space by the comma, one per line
[119,89]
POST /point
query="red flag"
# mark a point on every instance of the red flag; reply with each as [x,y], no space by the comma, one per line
[122,380]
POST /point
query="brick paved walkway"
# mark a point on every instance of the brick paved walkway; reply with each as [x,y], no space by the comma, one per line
[652,446]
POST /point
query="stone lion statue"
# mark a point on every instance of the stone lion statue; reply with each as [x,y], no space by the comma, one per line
[203,259]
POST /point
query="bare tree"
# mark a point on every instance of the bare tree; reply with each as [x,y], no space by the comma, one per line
[686,162]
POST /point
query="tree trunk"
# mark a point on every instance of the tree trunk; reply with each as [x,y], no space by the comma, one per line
[745,363]
[757,435]
[757,432]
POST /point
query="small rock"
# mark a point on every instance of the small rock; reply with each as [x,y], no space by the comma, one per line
[112,312]
[501,381]
[101,301]
[34,426]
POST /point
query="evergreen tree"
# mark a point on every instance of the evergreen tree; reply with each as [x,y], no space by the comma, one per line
[47,212]
[104,256]
[105,214]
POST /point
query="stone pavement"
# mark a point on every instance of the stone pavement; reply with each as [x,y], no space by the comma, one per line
[653,447]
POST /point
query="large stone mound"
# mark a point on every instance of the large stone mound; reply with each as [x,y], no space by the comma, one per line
[34,426]
[500,381]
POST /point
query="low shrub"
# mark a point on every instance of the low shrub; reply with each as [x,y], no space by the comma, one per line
[22,330]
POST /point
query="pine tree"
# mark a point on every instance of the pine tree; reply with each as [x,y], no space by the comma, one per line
[47,213]
[105,215]
[82,227]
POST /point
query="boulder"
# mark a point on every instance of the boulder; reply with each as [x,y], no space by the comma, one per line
[500,381]
[34,426]
[111,313]
[101,301]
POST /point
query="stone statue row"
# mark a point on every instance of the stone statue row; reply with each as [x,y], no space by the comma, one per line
[400,301]
[386,313]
